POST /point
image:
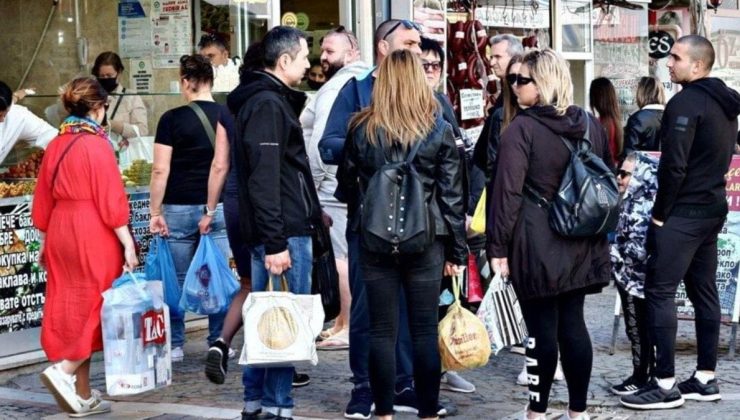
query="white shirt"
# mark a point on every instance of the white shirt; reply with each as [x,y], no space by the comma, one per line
[22,124]
[226,76]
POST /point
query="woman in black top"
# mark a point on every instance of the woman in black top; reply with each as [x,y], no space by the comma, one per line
[188,176]
[550,273]
[641,132]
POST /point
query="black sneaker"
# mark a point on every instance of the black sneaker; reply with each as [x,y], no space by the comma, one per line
[360,404]
[693,389]
[628,387]
[270,416]
[653,397]
[254,415]
[405,402]
[217,362]
[300,379]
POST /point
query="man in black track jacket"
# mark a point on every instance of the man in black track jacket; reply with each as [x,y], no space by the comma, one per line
[697,140]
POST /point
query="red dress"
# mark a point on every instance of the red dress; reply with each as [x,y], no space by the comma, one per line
[83,255]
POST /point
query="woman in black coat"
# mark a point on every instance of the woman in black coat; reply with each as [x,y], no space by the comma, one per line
[641,132]
[550,273]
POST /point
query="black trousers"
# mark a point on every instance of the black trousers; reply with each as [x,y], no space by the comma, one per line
[685,249]
[552,323]
[420,276]
[636,327]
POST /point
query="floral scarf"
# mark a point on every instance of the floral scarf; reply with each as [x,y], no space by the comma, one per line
[75,125]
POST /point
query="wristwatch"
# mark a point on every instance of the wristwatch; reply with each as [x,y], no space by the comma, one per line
[208,212]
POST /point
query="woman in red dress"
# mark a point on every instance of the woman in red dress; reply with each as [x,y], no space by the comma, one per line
[81,208]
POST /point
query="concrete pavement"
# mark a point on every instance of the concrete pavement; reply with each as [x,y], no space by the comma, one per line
[191,396]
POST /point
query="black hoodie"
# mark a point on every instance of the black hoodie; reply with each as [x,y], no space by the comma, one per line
[697,141]
[541,262]
[277,197]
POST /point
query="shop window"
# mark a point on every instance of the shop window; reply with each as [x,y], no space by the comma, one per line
[725,37]
[575,19]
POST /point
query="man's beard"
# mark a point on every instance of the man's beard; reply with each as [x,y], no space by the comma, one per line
[330,69]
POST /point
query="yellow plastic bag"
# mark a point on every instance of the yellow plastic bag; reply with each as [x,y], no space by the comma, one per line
[463,339]
[478,225]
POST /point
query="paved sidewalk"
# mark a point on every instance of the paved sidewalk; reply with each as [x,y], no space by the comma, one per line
[191,396]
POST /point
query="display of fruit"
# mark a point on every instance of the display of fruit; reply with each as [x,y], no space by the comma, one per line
[15,189]
[29,168]
[138,173]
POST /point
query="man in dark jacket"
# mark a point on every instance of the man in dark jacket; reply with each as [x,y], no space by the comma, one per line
[278,206]
[697,140]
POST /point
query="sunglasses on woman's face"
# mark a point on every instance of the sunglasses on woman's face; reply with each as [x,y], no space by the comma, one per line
[432,66]
[518,79]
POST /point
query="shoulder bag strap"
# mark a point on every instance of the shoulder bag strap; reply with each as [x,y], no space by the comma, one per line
[204,120]
[61,157]
[115,109]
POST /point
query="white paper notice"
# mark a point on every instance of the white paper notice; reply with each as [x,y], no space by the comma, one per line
[171,32]
[141,75]
[134,30]
[471,104]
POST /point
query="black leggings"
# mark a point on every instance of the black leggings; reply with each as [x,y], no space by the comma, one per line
[636,327]
[553,322]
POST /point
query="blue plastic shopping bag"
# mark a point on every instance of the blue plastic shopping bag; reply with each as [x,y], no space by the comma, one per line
[209,284]
[159,265]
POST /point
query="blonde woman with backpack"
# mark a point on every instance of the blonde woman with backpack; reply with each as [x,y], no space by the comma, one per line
[551,274]
[404,124]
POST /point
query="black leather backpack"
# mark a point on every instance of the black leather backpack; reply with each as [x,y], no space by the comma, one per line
[395,217]
[587,201]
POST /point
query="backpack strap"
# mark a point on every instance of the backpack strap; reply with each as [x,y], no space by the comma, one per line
[412,152]
[204,120]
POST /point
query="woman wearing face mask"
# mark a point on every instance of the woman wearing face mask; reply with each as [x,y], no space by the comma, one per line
[126,115]
[81,208]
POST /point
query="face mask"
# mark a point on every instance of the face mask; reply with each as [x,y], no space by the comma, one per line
[108,84]
[314,85]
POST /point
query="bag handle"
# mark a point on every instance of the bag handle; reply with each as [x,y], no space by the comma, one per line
[283,284]
[204,120]
[61,157]
[456,286]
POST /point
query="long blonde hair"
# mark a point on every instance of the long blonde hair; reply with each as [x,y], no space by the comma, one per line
[402,106]
[552,77]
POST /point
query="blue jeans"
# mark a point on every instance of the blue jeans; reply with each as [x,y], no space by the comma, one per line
[359,326]
[182,221]
[269,388]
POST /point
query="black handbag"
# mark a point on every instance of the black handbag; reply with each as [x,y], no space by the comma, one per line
[324,276]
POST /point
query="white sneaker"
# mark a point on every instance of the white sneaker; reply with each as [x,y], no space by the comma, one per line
[451,381]
[232,353]
[177,354]
[539,417]
[62,387]
[559,375]
[93,405]
[582,416]
[521,379]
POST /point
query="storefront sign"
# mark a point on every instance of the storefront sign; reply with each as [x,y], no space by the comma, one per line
[471,104]
[139,221]
[289,19]
[515,16]
[22,281]
[659,44]
[141,75]
[302,21]
[134,30]
[171,32]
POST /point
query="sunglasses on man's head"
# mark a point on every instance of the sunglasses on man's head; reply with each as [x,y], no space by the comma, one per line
[623,174]
[518,79]
[433,66]
[406,24]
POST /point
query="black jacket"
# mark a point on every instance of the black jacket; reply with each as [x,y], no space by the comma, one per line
[541,262]
[438,164]
[642,129]
[277,197]
[697,141]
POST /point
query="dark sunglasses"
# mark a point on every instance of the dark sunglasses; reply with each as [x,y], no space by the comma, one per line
[435,66]
[350,36]
[406,24]
[518,79]
[623,174]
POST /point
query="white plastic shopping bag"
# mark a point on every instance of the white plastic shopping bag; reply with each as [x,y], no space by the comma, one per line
[280,329]
[136,336]
[501,313]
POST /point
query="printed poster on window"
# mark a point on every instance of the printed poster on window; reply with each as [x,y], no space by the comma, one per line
[134,29]
[171,32]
